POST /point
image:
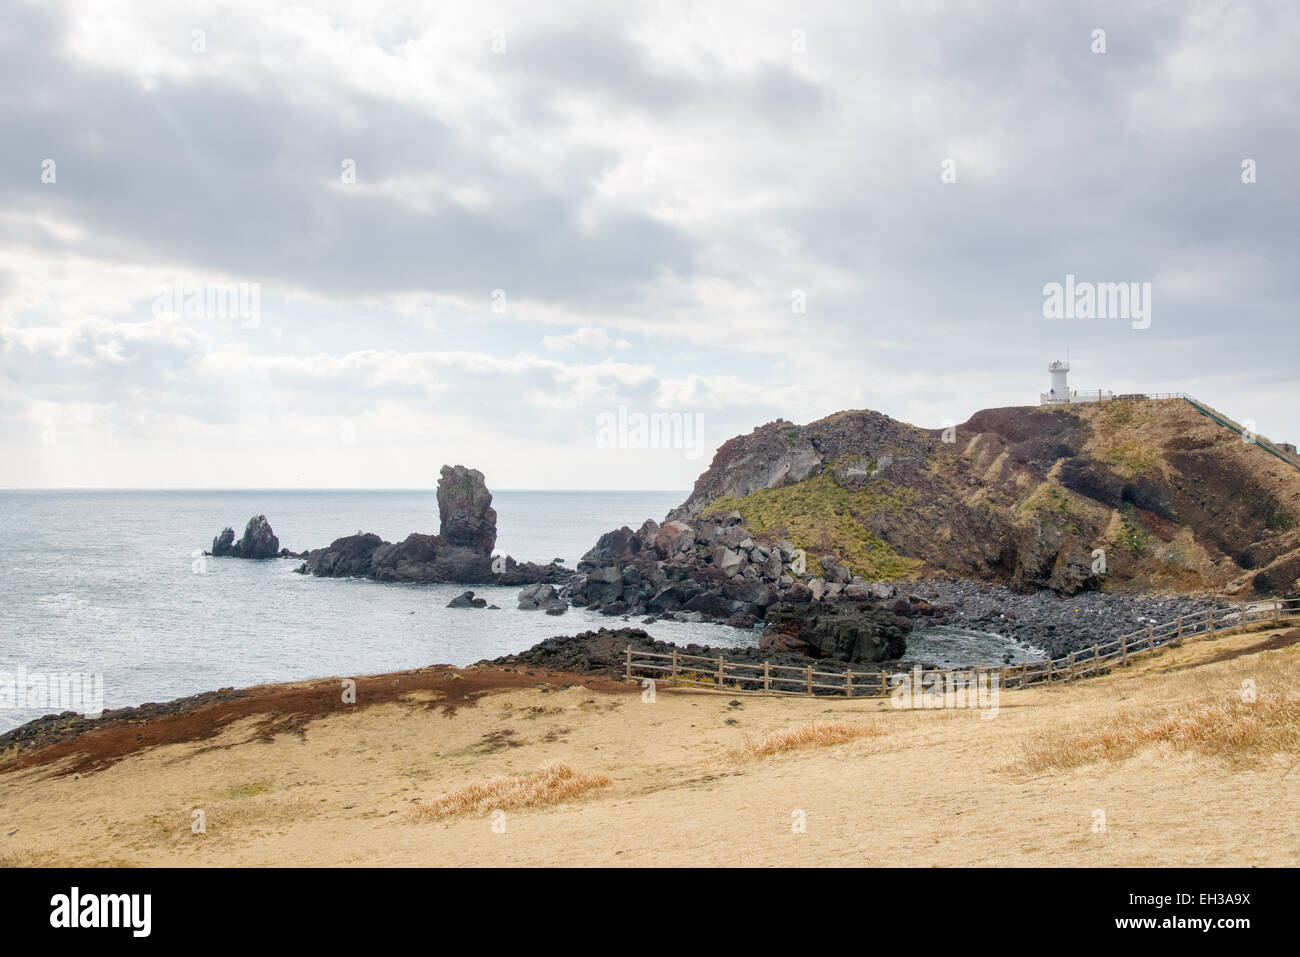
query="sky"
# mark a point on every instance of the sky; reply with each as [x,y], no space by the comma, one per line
[340,245]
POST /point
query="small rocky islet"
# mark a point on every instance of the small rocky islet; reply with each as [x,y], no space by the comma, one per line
[837,538]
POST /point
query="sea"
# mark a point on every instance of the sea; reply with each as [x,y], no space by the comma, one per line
[113,586]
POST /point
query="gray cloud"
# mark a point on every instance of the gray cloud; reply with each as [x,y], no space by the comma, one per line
[774,170]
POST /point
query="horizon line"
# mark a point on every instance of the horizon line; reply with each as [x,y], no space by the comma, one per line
[296,488]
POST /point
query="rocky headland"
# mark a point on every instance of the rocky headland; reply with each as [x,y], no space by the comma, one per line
[1059,527]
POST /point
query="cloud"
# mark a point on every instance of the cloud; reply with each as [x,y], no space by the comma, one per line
[725,208]
[588,337]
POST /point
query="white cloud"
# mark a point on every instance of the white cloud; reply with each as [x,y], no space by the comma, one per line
[648,189]
[588,337]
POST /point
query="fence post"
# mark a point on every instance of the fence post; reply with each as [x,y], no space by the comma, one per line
[1123,648]
[629,662]
[810,679]
[674,664]
[1024,673]
[848,682]
[1069,675]
[1049,668]
[1211,619]
[1096,659]
[884,688]
[767,676]
[721,670]
[1277,610]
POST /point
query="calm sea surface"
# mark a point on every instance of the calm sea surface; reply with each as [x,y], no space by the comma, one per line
[107,582]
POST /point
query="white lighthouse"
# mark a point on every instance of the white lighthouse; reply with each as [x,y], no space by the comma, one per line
[1060,390]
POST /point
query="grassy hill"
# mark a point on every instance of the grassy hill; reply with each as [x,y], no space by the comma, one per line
[1126,494]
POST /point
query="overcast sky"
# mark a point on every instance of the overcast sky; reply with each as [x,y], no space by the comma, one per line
[558,210]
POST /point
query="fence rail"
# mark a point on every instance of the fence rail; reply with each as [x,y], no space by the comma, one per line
[1096,395]
[767,678]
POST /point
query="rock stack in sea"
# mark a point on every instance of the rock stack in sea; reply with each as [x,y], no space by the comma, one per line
[461,551]
[258,542]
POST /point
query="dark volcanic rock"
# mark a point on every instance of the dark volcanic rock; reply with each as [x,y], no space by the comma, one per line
[430,558]
[541,595]
[467,600]
[461,552]
[467,518]
[221,544]
[612,548]
[258,541]
[853,632]
[605,652]
[511,572]
[344,558]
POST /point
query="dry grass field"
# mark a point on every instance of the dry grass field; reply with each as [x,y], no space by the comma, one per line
[1188,758]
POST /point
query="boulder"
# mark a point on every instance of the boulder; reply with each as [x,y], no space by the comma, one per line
[851,632]
[735,536]
[537,596]
[726,560]
[672,538]
[835,573]
[711,604]
[614,547]
[467,600]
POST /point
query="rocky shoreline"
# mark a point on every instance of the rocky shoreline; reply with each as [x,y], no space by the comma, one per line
[1053,623]
[711,568]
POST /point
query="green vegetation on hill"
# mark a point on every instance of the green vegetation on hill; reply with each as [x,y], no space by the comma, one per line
[1136,537]
[1049,497]
[821,516]
[1132,458]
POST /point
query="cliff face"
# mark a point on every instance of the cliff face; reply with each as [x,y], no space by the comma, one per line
[1023,495]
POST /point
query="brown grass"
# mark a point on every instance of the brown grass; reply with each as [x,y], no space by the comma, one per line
[818,734]
[553,783]
[1215,722]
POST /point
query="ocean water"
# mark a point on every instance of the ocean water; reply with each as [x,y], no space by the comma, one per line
[113,583]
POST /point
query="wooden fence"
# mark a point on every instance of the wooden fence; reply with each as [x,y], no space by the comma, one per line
[767,678]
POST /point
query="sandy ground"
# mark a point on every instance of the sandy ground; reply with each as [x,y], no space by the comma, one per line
[337,784]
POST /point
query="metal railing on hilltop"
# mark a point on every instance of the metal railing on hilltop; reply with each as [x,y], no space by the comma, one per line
[1248,435]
